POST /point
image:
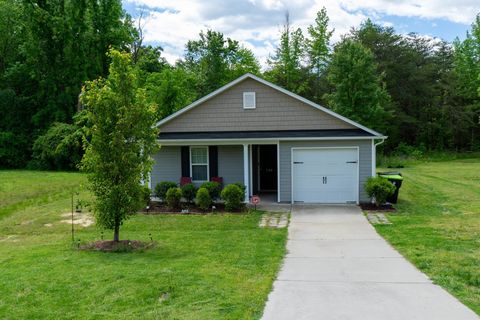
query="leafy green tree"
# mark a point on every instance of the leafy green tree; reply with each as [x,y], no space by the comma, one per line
[9,37]
[244,62]
[285,67]
[60,148]
[48,49]
[15,128]
[122,139]
[359,92]
[467,74]
[150,60]
[318,49]
[216,60]
[418,77]
[171,90]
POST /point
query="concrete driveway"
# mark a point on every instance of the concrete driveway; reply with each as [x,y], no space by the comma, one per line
[338,267]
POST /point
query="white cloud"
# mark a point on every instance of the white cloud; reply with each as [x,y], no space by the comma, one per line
[256,23]
[460,11]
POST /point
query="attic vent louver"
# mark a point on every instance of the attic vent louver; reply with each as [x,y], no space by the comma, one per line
[249,100]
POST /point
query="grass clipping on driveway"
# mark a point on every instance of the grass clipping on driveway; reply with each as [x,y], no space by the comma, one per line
[437,225]
[201,267]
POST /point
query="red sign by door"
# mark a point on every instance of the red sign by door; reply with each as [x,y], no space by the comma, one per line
[255,199]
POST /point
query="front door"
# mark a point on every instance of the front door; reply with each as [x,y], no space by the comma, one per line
[267,167]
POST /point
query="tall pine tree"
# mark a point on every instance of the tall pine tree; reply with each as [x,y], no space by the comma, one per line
[286,67]
[359,92]
[318,50]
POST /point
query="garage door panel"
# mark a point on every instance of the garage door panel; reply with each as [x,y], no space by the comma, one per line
[338,166]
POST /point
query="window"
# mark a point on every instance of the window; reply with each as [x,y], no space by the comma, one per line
[199,163]
[249,100]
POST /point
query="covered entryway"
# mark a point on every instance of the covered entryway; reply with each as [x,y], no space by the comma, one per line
[325,175]
[265,170]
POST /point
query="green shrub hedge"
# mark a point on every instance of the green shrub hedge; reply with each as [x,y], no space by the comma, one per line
[213,188]
[233,196]
[146,192]
[188,191]
[379,189]
[203,199]
[173,197]
[162,187]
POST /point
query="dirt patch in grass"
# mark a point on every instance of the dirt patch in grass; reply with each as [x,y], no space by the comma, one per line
[117,246]
[82,219]
[10,238]
[373,207]
[161,208]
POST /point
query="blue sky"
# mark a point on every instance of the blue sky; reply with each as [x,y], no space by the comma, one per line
[256,23]
[440,28]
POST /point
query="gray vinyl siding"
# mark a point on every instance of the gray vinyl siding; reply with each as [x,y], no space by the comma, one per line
[230,163]
[365,163]
[274,111]
[167,166]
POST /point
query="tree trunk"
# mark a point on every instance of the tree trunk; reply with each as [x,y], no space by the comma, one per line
[116,232]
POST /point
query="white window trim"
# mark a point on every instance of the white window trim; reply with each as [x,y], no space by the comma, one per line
[254,100]
[201,164]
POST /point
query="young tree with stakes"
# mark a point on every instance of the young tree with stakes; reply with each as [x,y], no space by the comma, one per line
[121,140]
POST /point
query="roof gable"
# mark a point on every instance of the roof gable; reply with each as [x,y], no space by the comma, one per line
[277,109]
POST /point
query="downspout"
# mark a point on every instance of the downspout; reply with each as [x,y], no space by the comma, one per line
[374,156]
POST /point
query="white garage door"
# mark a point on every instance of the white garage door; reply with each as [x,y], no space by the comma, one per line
[325,175]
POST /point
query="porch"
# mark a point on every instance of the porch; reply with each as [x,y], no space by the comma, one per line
[255,165]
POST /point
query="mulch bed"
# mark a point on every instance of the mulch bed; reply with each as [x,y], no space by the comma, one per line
[117,246]
[373,207]
[161,208]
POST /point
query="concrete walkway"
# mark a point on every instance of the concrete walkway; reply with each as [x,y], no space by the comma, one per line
[338,267]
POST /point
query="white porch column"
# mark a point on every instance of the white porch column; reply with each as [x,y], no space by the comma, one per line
[246,179]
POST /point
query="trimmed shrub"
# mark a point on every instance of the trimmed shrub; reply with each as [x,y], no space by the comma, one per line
[203,199]
[379,189]
[241,186]
[173,197]
[213,188]
[188,192]
[233,196]
[146,192]
[162,187]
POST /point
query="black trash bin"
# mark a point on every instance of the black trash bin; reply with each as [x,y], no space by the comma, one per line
[396,179]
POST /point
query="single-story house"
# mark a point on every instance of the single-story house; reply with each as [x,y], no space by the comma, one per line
[275,142]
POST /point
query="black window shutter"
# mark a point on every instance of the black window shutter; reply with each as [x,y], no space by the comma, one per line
[185,161]
[213,161]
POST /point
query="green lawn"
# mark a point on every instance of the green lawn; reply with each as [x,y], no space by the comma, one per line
[437,225]
[213,267]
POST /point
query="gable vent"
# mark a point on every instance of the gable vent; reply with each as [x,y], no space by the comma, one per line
[249,100]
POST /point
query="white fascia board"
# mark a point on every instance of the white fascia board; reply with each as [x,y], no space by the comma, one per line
[252,140]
